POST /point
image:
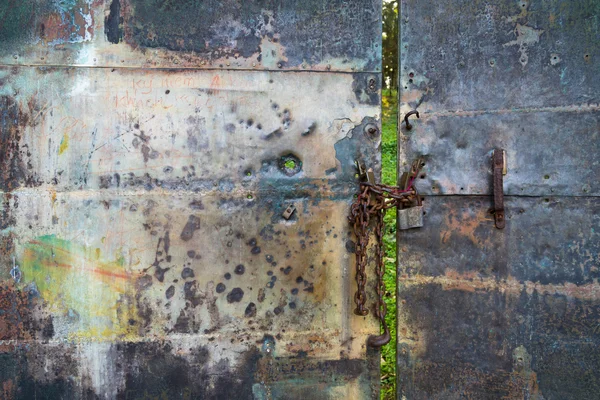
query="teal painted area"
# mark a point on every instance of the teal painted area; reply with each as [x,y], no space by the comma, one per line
[15,17]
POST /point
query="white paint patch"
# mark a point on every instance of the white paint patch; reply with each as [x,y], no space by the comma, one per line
[526,36]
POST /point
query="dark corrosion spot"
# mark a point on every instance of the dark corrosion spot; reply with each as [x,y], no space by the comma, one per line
[295,291]
[299,279]
[192,225]
[292,305]
[170,292]
[235,296]
[250,122]
[277,133]
[167,91]
[159,273]
[48,329]
[191,253]
[230,128]
[252,242]
[197,205]
[273,278]
[227,276]
[239,269]
[269,258]
[187,273]
[287,270]
[250,310]
[221,288]
[310,129]
[270,284]
[255,250]
[113,22]
[350,246]
[277,310]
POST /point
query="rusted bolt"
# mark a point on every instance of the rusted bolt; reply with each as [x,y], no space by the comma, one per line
[408,114]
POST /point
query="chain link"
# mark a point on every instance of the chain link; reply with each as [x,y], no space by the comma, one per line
[371,204]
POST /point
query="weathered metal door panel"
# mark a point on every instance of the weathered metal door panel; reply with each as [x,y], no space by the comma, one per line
[511,313]
[150,150]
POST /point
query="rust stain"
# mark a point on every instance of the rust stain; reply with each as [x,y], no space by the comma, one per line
[472,282]
[464,223]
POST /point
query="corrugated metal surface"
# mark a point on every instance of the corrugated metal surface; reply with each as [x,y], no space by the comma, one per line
[143,186]
[513,313]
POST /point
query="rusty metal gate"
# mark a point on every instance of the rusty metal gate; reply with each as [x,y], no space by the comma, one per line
[176,178]
[512,313]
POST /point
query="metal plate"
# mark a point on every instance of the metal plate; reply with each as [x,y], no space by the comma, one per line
[520,75]
[339,35]
[534,248]
[144,250]
[486,313]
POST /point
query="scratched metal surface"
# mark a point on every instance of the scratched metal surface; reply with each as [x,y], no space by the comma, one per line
[487,313]
[143,250]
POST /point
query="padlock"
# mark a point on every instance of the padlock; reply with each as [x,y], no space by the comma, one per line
[411,217]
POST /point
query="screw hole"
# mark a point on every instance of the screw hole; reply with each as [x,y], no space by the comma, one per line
[546,176]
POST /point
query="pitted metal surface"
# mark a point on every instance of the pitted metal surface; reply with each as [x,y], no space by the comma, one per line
[484,312]
[149,152]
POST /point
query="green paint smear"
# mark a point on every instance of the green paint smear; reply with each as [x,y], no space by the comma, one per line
[73,280]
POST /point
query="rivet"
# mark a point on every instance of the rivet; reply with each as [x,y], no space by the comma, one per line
[279,65]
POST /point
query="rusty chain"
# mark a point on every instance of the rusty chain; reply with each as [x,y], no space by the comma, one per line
[371,203]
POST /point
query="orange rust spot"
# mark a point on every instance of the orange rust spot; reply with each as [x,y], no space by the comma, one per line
[7,389]
[464,224]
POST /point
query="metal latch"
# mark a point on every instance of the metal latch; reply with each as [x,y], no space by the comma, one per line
[499,170]
[411,215]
